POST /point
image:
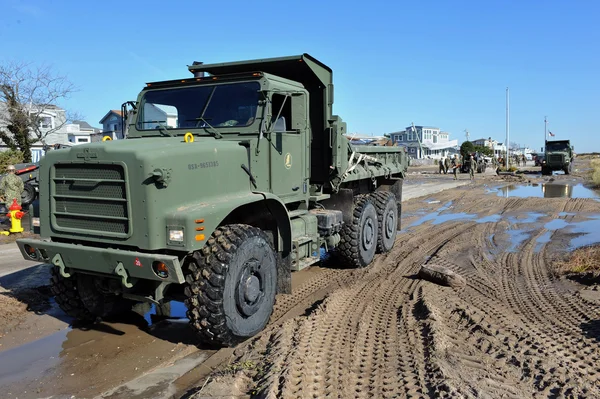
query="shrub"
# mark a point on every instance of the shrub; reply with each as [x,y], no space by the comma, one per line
[595,163]
[582,260]
[9,157]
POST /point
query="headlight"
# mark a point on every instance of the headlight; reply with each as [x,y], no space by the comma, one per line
[176,235]
[35,222]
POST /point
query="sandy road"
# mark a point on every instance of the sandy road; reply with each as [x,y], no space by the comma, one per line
[516,330]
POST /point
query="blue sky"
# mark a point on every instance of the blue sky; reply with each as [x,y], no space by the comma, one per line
[437,63]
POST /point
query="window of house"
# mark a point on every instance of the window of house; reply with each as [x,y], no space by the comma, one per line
[83,140]
[45,122]
[114,127]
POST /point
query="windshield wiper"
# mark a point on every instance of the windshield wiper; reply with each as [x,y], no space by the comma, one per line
[201,118]
[163,130]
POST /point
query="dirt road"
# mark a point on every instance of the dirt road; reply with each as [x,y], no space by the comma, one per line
[516,330]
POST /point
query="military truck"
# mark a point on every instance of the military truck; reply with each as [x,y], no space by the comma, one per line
[228,181]
[558,156]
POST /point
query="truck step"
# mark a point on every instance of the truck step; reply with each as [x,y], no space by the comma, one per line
[304,263]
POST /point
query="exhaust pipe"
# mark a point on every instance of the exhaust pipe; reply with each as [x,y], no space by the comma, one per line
[198,74]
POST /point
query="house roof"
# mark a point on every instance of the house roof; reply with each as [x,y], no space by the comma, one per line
[112,111]
[85,125]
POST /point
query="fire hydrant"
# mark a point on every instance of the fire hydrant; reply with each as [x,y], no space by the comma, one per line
[15,216]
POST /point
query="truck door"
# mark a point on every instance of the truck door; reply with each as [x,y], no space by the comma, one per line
[288,147]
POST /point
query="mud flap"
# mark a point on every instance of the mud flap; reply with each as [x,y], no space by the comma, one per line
[284,274]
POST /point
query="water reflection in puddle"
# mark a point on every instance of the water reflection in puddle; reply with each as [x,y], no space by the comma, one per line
[546,190]
[31,359]
[589,230]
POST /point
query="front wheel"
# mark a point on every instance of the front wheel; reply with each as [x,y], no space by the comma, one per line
[231,285]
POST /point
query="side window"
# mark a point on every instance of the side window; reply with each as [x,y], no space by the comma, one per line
[281,112]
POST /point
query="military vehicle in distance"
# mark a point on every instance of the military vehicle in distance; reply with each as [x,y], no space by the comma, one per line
[558,156]
[226,183]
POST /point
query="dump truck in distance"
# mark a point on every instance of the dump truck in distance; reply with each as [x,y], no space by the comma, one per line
[228,181]
[558,156]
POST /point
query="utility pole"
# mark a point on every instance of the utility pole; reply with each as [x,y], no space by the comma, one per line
[507,131]
[467,134]
[545,130]
[418,139]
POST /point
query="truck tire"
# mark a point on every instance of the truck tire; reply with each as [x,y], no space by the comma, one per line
[359,238]
[231,285]
[567,170]
[387,220]
[67,296]
[28,194]
[98,303]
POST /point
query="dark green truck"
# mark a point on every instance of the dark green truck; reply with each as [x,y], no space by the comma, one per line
[558,156]
[227,182]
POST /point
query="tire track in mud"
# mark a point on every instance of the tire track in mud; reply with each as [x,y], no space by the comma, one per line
[379,332]
[365,340]
[539,331]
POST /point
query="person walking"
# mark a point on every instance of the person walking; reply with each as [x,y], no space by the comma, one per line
[455,166]
[11,186]
[472,167]
[441,165]
[469,162]
[446,164]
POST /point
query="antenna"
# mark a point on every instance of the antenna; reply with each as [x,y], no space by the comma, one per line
[467,134]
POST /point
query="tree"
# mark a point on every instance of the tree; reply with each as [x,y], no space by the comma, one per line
[466,148]
[28,95]
[487,151]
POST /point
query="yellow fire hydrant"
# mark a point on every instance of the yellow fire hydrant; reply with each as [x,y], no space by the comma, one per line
[15,216]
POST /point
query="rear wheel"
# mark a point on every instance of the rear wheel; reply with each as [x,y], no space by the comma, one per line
[28,194]
[359,238]
[387,220]
[231,285]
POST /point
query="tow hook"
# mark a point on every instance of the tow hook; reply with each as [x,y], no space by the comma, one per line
[120,271]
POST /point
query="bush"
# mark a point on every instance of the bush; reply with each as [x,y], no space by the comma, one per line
[9,157]
[596,173]
[582,260]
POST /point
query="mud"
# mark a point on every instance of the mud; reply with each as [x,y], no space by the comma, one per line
[515,330]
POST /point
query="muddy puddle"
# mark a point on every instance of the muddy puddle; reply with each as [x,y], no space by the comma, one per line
[520,226]
[545,190]
[83,359]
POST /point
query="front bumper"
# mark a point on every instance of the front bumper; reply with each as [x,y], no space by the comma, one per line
[106,261]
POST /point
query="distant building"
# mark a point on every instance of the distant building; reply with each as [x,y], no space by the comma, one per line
[80,132]
[111,126]
[498,148]
[425,142]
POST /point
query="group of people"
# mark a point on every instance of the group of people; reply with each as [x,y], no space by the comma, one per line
[11,187]
[468,161]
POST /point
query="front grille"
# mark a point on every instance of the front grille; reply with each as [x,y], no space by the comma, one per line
[90,199]
[555,159]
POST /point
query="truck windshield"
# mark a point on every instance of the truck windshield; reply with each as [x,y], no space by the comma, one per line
[216,106]
[557,147]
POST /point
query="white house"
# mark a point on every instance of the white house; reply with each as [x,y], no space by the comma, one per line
[426,142]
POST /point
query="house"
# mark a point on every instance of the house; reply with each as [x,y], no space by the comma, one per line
[80,132]
[425,142]
[498,148]
[111,126]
